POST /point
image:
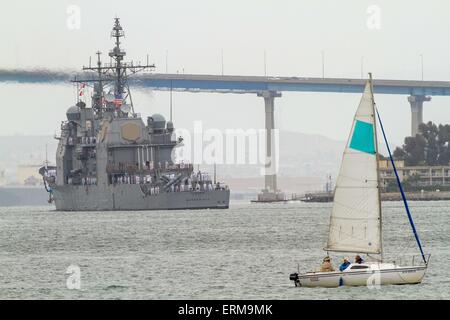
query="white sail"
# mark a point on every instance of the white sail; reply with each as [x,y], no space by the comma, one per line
[355,223]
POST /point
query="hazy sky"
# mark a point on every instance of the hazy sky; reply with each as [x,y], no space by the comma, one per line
[293,34]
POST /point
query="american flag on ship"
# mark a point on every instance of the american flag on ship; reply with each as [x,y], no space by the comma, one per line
[81,90]
[118,100]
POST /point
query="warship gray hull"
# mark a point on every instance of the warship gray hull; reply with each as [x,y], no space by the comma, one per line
[109,159]
[131,197]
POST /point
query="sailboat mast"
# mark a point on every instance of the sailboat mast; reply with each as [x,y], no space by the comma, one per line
[377,157]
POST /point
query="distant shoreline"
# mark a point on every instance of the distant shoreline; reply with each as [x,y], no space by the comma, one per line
[417,196]
[387,196]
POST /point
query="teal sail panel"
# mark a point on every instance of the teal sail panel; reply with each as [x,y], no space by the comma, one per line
[363,137]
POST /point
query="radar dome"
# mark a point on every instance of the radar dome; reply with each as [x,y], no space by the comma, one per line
[73,113]
[158,117]
[156,122]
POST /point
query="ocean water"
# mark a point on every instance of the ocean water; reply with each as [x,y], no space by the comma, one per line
[246,252]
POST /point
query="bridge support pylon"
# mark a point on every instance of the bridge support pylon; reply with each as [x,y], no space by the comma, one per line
[416,102]
[270,193]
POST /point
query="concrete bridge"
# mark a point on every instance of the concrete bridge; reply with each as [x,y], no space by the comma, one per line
[417,92]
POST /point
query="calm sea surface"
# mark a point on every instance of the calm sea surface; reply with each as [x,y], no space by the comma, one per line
[246,252]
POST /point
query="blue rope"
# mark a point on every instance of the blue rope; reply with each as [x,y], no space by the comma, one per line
[401,191]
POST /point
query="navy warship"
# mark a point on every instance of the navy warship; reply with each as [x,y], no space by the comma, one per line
[109,159]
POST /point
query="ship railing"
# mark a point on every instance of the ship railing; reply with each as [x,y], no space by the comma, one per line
[135,170]
[153,190]
[409,260]
[180,187]
[90,141]
[146,168]
[161,139]
[84,181]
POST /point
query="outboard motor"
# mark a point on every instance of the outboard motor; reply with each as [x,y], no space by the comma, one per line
[294,277]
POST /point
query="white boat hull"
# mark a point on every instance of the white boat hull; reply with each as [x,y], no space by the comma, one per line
[379,274]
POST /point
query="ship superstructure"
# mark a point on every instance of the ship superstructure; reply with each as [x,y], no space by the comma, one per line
[109,159]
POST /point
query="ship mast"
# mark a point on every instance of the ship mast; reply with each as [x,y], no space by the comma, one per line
[114,74]
[98,91]
[117,54]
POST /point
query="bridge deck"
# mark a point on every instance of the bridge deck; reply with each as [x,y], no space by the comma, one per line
[254,84]
[244,84]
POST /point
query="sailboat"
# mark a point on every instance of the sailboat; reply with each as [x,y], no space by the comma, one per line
[356,218]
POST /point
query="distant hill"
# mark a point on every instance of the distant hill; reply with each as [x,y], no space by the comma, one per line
[21,150]
[309,155]
[301,155]
[304,162]
[26,149]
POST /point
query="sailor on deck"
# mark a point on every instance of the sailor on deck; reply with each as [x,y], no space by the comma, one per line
[344,265]
[358,259]
[326,265]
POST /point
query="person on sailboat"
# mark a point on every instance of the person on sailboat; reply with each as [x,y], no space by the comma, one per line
[326,265]
[344,265]
[358,259]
